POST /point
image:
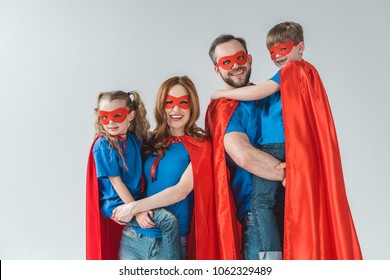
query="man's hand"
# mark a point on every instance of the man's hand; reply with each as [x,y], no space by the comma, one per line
[282,166]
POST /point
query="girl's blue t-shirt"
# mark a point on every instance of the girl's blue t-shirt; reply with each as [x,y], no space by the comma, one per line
[109,164]
[168,173]
[272,127]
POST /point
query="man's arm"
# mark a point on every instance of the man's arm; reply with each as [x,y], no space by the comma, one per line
[253,160]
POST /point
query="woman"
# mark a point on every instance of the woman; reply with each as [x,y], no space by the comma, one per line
[178,175]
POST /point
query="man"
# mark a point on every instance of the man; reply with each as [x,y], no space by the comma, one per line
[234,127]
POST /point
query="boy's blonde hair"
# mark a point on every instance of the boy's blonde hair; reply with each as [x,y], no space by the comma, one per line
[285,31]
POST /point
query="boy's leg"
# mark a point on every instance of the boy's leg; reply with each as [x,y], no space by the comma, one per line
[263,211]
[168,224]
[264,199]
[250,238]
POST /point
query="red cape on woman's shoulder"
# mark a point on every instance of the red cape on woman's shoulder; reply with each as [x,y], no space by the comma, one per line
[103,235]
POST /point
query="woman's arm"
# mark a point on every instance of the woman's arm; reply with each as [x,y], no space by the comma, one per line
[254,92]
[166,197]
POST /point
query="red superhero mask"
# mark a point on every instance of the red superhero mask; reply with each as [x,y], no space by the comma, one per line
[227,62]
[282,49]
[119,115]
[183,102]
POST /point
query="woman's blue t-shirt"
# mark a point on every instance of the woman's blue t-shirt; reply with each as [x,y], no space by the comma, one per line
[168,173]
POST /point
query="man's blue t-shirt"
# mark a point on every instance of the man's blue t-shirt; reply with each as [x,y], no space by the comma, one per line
[245,119]
[109,164]
[272,128]
[168,173]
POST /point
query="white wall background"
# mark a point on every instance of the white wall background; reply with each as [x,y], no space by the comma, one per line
[55,56]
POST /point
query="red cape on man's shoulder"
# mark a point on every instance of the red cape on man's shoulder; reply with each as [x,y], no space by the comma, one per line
[318,223]
[217,118]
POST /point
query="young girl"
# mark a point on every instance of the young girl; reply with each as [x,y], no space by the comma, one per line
[178,161]
[121,126]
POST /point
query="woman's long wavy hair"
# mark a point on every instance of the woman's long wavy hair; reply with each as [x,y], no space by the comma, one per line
[139,126]
[161,134]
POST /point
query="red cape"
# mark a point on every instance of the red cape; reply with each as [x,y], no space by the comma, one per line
[318,222]
[204,240]
[103,235]
[217,118]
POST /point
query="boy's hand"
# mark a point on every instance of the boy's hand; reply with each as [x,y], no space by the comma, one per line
[217,94]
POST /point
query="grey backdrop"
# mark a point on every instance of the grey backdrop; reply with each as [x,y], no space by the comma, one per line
[55,56]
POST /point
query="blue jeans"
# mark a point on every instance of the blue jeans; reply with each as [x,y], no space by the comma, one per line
[250,240]
[265,196]
[135,246]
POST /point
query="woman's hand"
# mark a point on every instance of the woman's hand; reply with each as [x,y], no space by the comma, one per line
[123,213]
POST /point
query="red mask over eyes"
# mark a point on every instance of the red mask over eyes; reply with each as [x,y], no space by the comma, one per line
[282,49]
[227,62]
[119,115]
[183,102]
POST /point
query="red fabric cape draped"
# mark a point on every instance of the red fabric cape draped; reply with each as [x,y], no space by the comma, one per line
[103,235]
[204,239]
[217,118]
[318,223]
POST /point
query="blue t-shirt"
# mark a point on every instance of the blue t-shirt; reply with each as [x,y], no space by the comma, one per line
[109,164]
[245,119]
[168,173]
[272,128]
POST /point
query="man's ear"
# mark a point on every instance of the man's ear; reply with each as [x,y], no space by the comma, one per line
[216,70]
[250,59]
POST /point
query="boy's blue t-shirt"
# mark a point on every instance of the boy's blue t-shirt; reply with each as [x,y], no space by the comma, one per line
[109,164]
[168,173]
[272,128]
[245,119]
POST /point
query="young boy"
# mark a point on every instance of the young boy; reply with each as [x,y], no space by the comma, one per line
[318,223]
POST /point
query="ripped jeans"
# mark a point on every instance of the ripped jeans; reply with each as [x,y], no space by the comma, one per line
[266,195]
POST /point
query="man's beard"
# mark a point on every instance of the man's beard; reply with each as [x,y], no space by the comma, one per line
[238,84]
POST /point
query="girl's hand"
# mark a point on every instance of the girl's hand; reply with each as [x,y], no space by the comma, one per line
[144,219]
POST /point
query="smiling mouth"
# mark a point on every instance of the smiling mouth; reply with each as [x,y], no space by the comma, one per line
[279,61]
[176,117]
[238,72]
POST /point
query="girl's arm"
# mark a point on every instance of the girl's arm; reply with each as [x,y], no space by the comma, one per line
[143,219]
[254,92]
[121,189]
[166,197]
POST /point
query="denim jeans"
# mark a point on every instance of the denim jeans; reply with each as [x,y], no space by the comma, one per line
[135,246]
[250,240]
[263,205]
